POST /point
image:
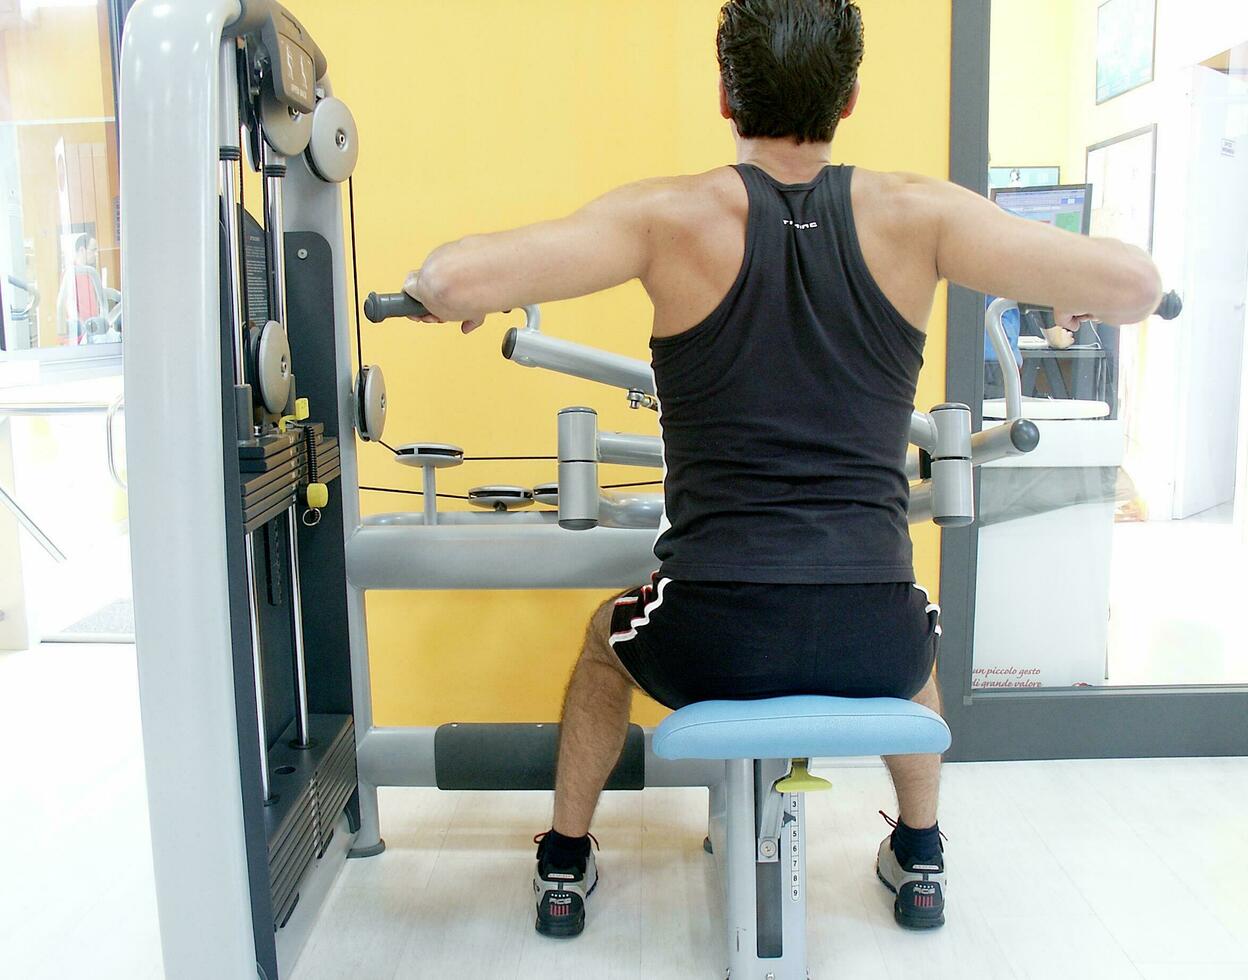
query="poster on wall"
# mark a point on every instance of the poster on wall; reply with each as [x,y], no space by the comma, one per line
[1126,39]
[1023,176]
[1122,172]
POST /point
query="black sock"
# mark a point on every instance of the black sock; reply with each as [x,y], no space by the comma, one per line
[917,846]
[564,852]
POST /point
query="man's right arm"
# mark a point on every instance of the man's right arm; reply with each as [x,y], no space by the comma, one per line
[985,248]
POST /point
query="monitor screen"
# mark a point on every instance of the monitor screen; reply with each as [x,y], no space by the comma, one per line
[1067,206]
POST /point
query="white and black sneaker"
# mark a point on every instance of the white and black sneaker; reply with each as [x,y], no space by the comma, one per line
[561,893]
[919,887]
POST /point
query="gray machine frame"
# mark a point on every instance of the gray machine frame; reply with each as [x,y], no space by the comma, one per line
[202,679]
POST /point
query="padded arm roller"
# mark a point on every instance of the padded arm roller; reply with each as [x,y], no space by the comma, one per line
[533,349]
[383,306]
[1010,439]
[630,450]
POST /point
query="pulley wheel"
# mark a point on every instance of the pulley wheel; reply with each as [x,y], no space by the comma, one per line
[500,498]
[273,367]
[335,143]
[370,403]
[435,455]
[286,129]
[547,493]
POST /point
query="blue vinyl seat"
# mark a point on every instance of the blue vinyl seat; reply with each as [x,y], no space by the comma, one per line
[802,726]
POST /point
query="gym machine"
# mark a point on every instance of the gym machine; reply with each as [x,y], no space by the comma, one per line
[244,659]
[250,555]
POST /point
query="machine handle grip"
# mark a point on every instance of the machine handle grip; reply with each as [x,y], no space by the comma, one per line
[1171,306]
[1034,316]
[383,306]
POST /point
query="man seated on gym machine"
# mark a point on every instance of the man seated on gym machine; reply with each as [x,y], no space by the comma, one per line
[791,299]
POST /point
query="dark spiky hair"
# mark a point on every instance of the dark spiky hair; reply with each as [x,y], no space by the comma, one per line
[789,66]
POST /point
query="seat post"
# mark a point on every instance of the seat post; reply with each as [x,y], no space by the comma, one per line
[736,866]
[765,898]
[780,881]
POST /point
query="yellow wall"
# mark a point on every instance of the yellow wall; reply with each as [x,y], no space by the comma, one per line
[1030,85]
[53,66]
[486,114]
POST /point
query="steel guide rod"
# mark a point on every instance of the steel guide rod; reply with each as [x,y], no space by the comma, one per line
[31,527]
[274,168]
[228,166]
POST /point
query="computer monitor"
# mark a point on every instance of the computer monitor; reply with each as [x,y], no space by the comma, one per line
[1066,206]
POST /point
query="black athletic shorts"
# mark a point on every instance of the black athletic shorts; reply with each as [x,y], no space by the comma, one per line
[684,642]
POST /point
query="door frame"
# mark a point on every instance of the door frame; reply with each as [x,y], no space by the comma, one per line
[1088,723]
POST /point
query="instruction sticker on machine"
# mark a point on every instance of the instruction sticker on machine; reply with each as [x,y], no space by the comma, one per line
[795,848]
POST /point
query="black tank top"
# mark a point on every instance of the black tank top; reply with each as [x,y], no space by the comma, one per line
[786,412]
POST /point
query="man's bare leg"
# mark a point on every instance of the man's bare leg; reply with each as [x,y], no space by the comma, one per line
[911,860]
[593,729]
[917,777]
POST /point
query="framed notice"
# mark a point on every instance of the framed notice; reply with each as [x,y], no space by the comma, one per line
[1123,175]
[1024,176]
[1126,43]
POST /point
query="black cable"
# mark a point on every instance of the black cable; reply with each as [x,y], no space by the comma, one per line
[499,459]
[355,278]
[456,496]
[415,493]
[387,445]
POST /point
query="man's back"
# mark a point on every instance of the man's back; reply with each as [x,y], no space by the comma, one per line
[786,407]
[699,242]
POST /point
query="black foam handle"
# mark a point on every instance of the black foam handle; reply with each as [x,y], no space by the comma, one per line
[383,306]
[1171,306]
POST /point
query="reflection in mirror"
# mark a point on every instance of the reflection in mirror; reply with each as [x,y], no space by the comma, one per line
[61,329]
[1115,554]
[60,259]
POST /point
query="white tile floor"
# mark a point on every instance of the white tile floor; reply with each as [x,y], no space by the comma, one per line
[1062,870]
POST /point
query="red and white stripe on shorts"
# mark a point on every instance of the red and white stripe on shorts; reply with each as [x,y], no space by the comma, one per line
[648,598]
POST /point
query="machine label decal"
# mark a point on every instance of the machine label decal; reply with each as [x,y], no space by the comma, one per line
[795,848]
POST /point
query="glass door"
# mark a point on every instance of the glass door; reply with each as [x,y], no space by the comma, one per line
[64,550]
[1096,607]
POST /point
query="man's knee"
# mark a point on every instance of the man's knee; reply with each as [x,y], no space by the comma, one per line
[600,621]
[598,639]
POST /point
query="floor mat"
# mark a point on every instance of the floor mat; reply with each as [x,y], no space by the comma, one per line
[117,618]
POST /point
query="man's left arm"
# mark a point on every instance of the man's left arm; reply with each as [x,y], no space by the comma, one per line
[604,244]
